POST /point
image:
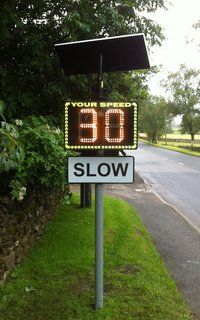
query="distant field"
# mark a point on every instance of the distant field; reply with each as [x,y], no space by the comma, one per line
[177,142]
[181,143]
[181,136]
[175,136]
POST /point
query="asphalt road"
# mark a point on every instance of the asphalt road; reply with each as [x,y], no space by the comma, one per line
[174,176]
[177,242]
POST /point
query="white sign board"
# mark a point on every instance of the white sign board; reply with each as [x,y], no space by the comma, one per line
[100,169]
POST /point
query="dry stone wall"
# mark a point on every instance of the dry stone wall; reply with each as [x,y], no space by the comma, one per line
[21,224]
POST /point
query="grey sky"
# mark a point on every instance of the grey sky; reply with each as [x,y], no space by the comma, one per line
[182,44]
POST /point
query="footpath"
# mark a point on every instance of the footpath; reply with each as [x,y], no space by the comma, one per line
[175,240]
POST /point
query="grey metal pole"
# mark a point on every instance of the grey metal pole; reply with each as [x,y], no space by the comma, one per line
[99,220]
[98,245]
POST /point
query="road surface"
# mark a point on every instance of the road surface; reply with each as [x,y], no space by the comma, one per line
[174,176]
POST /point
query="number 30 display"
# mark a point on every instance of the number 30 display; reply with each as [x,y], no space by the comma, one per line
[100,125]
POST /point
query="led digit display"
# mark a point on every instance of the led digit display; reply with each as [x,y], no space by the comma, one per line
[114,125]
[100,125]
[87,130]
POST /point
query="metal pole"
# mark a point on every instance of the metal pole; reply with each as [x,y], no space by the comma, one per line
[100,77]
[99,220]
[82,195]
[98,245]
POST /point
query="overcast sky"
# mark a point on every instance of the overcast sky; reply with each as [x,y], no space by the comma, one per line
[177,23]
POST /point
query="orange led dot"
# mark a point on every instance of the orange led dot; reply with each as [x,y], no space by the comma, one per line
[92,125]
[117,126]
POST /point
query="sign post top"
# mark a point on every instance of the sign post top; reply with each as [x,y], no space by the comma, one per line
[122,53]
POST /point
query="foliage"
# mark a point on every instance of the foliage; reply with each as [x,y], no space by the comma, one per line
[11,150]
[44,161]
[196,27]
[1,109]
[155,117]
[184,87]
[17,190]
[32,81]
[127,86]
[191,123]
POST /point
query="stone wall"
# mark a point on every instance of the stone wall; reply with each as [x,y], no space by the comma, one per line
[21,224]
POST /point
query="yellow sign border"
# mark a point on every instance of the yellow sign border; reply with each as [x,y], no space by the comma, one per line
[102,104]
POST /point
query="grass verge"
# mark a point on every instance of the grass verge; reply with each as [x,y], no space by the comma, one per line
[56,280]
[176,135]
[175,147]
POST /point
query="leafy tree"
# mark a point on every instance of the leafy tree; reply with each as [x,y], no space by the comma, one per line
[196,26]
[184,87]
[191,123]
[166,108]
[32,81]
[156,117]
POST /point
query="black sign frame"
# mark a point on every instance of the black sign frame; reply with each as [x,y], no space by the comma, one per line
[72,128]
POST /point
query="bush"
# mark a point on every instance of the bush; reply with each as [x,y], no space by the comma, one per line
[11,150]
[42,161]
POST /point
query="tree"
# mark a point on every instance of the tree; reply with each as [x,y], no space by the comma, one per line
[184,87]
[32,81]
[166,108]
[196,27]
[156,117]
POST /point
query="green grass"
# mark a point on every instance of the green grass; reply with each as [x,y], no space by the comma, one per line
[56,280]
[176,135]
[183,143]
[174,146]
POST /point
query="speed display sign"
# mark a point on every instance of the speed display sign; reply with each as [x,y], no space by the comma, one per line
[100,125]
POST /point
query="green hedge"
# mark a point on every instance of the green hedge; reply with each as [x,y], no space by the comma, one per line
[32,156]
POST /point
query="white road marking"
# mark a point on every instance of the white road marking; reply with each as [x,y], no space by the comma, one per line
[143,190]
[181,164]
[195,262]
